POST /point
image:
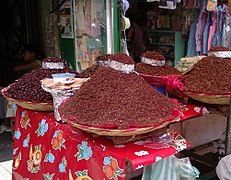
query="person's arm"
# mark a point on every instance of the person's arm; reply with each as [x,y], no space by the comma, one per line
[130,32]
[32,65]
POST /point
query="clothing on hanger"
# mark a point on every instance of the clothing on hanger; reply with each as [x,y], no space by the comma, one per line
[212,29]
[191,51]
[206,34]
[200,28]
[211,5]
[167,4]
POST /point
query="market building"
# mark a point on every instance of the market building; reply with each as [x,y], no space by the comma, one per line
[128,89]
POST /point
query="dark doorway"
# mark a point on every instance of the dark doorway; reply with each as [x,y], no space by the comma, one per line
[18,26]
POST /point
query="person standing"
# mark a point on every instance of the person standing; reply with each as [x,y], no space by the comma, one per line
[138,41]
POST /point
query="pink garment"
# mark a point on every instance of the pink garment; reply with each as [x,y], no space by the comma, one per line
[200,29]
[212,29]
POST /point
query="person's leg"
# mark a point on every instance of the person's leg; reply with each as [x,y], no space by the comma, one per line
[2,106]
[9,114]
[1,121]
[7,124]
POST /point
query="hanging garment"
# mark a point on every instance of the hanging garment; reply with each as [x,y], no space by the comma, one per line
[227,31]
[189,18]
[125,6]
[212,29]
[199,3]
[223,34]
[206,34]
[200,28]
[167,4]
[191,51]
[223,15]
[217,39]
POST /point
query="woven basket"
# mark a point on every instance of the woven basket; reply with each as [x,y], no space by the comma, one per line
[122,132]
[221,99]
[36,106]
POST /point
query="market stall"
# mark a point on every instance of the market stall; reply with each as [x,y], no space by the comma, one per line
[44,148]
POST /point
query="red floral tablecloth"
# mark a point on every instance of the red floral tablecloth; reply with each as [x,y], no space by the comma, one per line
[189,111]
[45,149]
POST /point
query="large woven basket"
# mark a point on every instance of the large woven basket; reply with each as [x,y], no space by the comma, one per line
[123,132]
[221,99]
[36,106]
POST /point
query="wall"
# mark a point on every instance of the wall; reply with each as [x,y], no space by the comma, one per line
[50,29]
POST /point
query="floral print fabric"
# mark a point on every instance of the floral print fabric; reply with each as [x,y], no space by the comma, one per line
[45,149]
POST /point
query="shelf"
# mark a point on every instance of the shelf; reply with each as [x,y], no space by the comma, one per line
[178,44]
[164,44]
[161,31]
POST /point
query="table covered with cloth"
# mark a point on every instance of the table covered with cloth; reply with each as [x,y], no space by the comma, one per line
[46,149]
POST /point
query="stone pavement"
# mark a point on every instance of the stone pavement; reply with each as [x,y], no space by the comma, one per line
[6,152]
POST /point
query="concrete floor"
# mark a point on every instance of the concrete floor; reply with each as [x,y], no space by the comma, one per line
[6,152]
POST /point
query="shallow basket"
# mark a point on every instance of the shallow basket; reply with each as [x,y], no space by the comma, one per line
[122,132]
[36,106]
[221,99]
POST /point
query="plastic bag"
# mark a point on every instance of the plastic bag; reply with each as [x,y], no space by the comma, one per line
[171,168]
[171,82]
[223,169]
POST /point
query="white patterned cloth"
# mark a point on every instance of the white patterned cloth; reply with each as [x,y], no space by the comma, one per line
[223,169]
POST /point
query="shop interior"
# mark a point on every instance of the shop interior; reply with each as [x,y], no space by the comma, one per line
[175,31]
[163,27]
